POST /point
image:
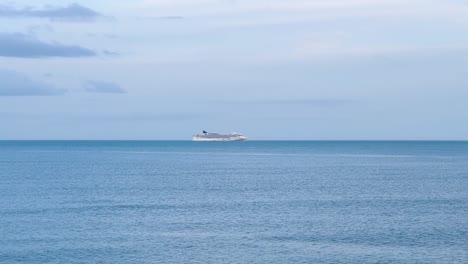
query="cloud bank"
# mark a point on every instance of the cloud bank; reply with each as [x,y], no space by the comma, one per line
[70,12]
[103,87]
[291,102]
[25,46]
[16,84]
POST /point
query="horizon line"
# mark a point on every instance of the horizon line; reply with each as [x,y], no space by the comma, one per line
[252,140]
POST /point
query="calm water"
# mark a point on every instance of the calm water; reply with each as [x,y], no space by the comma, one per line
[236,202]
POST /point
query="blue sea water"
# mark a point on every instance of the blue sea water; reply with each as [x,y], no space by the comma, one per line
[233,202]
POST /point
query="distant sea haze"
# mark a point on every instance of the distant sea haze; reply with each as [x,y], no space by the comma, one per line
[233,202]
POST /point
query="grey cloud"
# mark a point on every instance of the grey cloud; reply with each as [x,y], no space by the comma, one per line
[110,53]
[111,117]
[71,12]
[164,18]
[136,117]
[108,36]
[306,102]
[169,17]
[25,46]
[310,102]
[16,84]
[103,87]
[111,36]
[35,29]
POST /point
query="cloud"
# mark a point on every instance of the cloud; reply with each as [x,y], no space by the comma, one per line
[16,84]
[164,17]
[224,7]
[107,117]
[25,46]
[74,12]
[110,53]
[290,102]
[136,117]
[309,102]
[103,87]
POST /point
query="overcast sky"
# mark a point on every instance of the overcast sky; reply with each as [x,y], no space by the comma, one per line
[270,69]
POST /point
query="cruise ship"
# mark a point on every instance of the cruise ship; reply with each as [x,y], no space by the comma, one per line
[218,137]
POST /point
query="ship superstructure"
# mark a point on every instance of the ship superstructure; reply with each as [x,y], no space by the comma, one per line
[206,136]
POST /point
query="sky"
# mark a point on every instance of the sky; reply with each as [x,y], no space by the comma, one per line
[269,69]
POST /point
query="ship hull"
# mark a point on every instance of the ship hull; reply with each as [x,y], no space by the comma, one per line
[198,138]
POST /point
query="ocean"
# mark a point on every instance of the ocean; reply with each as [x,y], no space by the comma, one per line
[233,202]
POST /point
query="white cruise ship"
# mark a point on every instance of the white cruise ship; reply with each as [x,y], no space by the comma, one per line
[218,137]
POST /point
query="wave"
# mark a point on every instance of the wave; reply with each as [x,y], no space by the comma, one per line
[214,153]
